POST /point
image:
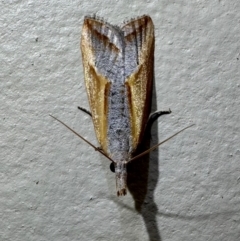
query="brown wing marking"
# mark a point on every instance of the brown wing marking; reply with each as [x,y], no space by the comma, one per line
[96,84]
[139,83]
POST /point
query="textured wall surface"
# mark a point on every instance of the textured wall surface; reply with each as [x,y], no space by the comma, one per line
[56,187]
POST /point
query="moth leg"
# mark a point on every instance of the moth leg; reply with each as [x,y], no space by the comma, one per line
[154,116]
[84,110]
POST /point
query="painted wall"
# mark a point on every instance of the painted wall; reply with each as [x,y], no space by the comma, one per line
[55,187]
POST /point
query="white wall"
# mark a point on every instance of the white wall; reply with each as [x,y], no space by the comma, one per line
[55,187]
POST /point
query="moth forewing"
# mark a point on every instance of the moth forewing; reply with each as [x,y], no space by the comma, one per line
[97,85]
[139,38]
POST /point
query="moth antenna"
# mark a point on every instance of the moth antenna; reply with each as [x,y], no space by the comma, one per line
[89,143]
[156,146]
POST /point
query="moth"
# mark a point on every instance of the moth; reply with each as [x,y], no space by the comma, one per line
[118,72]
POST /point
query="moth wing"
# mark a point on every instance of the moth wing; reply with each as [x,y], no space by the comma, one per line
[98,50]
[139,57]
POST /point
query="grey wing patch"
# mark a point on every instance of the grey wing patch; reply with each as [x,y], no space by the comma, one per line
[135,36]
[107,43]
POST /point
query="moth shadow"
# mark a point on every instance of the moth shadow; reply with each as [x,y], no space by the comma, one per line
[143,176]
[139,182]
[138,173]
[142,180]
